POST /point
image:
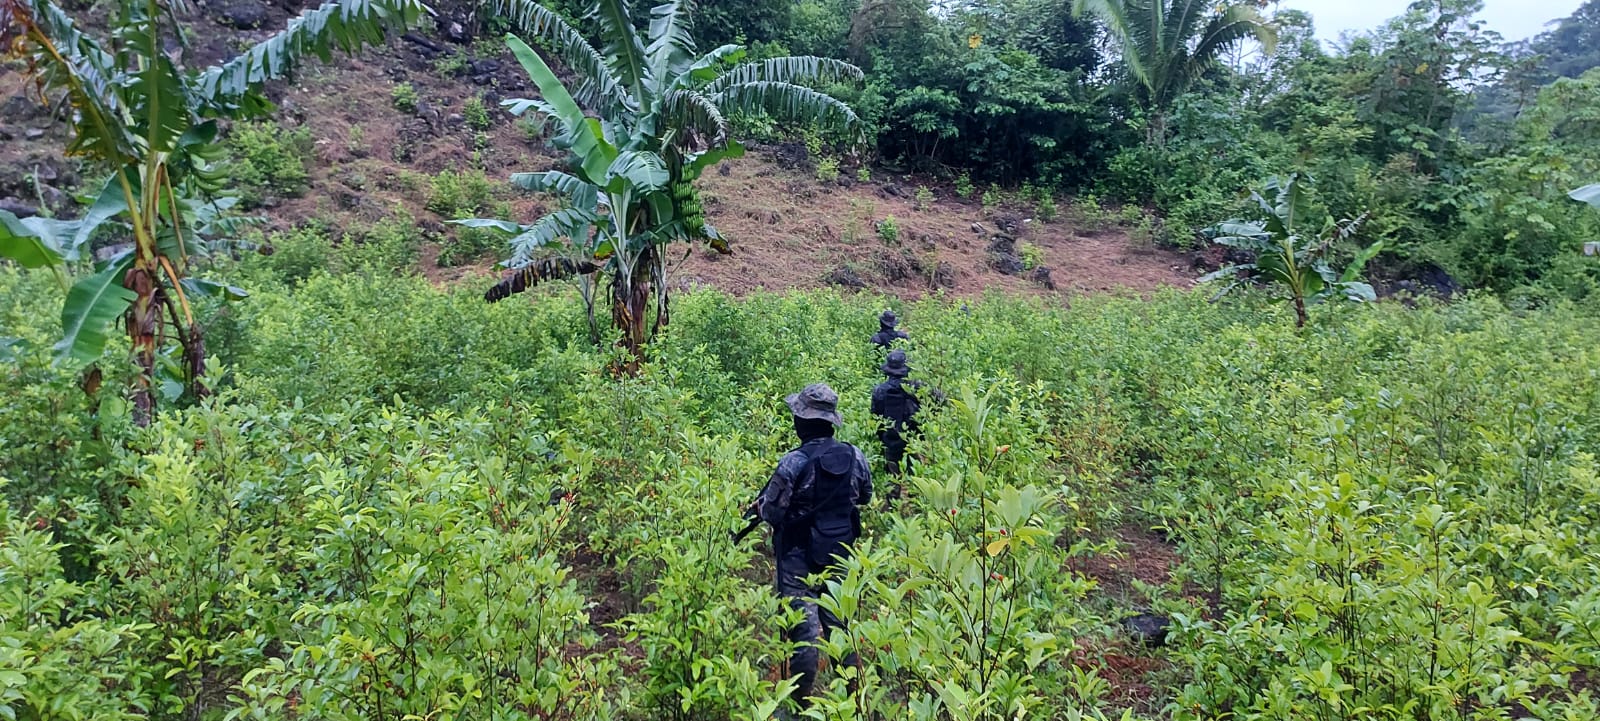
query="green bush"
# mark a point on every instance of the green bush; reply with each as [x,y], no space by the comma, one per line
[1032,255]
[405,98]
[462,194]
[827,170]
[267,160]
[889,231]
[405,498]
[476,114]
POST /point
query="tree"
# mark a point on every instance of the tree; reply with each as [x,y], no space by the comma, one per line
[1167,44]
[1288,257]
[661,121]
[151,124]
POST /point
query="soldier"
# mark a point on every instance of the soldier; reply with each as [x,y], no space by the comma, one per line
[887,333]
[813,504]
[896,405]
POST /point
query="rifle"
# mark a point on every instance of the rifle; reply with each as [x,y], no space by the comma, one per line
[754,519]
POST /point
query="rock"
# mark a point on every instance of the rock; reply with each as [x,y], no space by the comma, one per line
[1148,628]
[454,32]
[18,208]
[790,155]
[481,80]
[243,14]
[454,119]
[19,108]
[978,229]
[485,67]
[33,133]
[1009,223]
[1003,255]
[1041,275]
[844,277]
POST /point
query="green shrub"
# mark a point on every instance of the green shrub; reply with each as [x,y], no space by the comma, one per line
[461,194]
[1032,255]
[476,114]
[450,65]
[863,174]
[889,231]
[924,198]
[827,170]
[964,185]
[405,98]
[267,160]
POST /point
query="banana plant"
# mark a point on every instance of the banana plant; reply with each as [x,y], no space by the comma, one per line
[151,125]
[643,118]
[1292,260]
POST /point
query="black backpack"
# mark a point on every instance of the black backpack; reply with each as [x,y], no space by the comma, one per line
[831,522]
[900,406]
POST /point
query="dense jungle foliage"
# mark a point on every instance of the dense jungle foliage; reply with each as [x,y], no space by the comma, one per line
[401,502]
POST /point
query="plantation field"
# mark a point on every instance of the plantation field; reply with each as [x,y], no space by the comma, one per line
[404,503]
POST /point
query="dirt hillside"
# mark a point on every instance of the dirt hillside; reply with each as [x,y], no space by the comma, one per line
[370,160]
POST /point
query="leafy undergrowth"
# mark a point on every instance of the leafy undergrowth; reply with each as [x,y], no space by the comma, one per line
[404,503]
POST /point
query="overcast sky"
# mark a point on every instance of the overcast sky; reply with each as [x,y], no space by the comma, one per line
[1515,19]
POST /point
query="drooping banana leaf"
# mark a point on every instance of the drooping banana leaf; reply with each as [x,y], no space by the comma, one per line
[92,305]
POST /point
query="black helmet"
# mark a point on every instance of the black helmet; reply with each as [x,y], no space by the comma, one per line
[888,319]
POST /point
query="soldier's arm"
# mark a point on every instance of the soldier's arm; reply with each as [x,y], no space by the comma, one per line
[773,504]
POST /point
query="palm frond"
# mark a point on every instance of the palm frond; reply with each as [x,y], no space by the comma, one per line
[1128,27]
[1233,24]
[705,67]
[642,169]
[623,50]
[671,42]
[578,192]
[792,69]
[62,57]
[345,25]
[694,115]
[788,102]
[597,88]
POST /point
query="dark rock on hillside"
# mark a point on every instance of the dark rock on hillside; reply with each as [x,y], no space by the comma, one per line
[18,208]
[844,277]
[1003,255]
[1041,275]
[243,14]
[1148,628]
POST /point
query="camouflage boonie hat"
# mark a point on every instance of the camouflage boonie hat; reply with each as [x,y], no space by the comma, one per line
[818,402]
[895,366]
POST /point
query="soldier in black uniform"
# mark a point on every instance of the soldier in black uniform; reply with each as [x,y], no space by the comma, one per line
[812,503]
[887,333]
[896,406]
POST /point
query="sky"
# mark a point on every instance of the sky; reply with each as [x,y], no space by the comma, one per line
[1514,19]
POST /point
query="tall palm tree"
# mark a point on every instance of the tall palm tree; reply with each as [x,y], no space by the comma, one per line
[643,118]
[1167,44]
[150,124]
